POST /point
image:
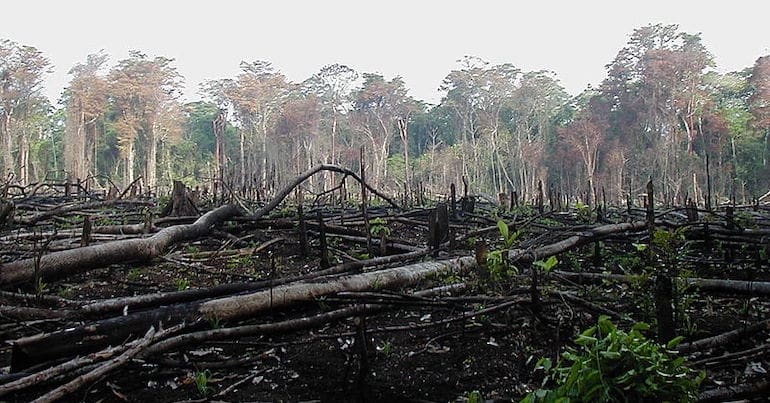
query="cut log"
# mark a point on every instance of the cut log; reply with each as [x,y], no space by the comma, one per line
[36,349]
[91,337]
[64,263]
[737,287]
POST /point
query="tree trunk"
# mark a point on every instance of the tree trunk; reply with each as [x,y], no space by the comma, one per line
[150,166]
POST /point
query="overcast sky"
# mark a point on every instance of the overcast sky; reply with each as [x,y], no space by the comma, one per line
[420,40]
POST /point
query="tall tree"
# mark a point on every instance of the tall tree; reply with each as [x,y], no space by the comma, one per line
[377,107]
[655,85]
[86,103]
[21,78]
[759,102]
[141,90]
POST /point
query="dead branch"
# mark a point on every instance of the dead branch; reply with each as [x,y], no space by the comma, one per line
[737,287]
[278,327]
[32,220]
[723,338]
[135,348]
[61,369]
[302,177]
[734,392]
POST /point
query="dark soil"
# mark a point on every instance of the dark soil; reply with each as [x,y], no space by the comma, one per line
[396,354]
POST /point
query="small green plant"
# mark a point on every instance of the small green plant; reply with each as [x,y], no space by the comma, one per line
[202,379]
[546,265]
[363,256]
[214,321]
[192,250]
[509,239]
[134,274]
[182,284]
[377,283]
[385,348]
[41,287]
[611,365]
[66,292]
[498,266]
[378,227]
[583,211]
[497,260]
[475,397]
[240,261]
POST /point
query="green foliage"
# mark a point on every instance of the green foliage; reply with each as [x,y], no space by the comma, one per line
[135,274]
[41,287]
[498,266]
[385,348]
[583,211]
[202,379]
[612,365]
[66,292]
[377,283]
[475,397]
[240,261]
[508,238]
[497,260]
[668,241]
[182,284]
[548,264]
[379,226]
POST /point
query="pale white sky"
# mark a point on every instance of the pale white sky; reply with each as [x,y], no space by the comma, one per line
[419,40]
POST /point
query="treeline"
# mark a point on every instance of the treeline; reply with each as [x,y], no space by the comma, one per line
[662,112]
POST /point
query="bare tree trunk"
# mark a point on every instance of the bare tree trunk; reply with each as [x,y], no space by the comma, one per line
[150,166]
[7,144]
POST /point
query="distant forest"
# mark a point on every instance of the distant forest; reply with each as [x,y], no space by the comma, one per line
[662,112]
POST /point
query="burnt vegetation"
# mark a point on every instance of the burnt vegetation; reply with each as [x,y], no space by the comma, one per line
[307,297]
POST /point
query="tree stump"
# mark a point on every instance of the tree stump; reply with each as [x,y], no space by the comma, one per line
[438,225]
[181,203]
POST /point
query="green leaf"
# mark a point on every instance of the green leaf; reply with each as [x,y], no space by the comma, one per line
[503,227]
[674,342]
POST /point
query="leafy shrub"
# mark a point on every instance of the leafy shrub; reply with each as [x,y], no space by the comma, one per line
[611,365]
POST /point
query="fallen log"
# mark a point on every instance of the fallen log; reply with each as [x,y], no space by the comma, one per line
[137,302]
[32,350]
[284,326]
[33,219]
[723,338]
[61,264]
[758,389]
[738,287]
[136,347]
[90,337]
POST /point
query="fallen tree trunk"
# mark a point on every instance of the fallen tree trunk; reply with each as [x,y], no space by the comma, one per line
[36,349]
[739,287]
[64,263]
[32,350]
[33,219]
[137,302]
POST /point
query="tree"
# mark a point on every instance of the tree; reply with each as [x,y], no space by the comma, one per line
[377,106]
[759,102]
[21,101]
[332,85]
[86,104]
[587,135]
[142,90]
[256,96]
[656,91]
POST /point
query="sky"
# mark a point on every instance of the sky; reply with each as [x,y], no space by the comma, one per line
[419,40]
